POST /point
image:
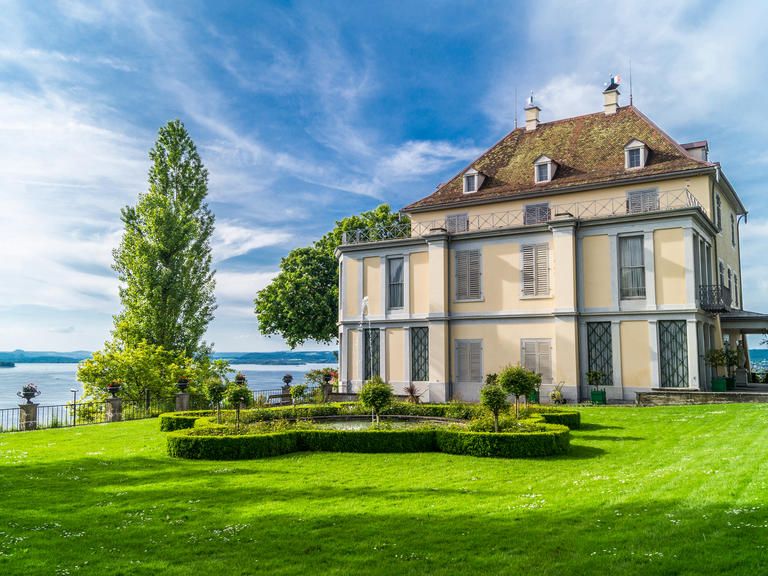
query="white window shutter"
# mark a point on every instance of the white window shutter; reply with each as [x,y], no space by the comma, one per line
[545,360]
[468,275]
[474,274]
[529,355]
[475,362]
[456,223]
[529,286]
[462,280]
[542,269]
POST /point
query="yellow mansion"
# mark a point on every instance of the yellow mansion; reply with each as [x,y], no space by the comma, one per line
[588,243]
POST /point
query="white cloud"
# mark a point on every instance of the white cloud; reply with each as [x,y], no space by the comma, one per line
[231,239]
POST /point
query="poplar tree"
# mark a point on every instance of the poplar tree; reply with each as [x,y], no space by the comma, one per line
[164,258]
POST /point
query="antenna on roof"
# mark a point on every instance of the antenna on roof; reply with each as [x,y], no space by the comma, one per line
[630,81]
[515,107]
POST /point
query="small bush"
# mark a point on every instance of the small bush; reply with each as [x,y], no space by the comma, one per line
[376,395]
[548,442]
[494,398]
[171,421]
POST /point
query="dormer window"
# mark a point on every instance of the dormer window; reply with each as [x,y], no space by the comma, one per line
[544,169]
[472,181]
[635,155]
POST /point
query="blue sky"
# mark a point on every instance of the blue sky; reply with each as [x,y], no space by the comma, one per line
[305,112]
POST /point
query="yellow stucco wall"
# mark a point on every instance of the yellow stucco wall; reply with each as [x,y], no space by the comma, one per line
[419,282]
[501,277]
[395,354]
[372,285]
[669,266]
[501,341]
[591,201]
[635,354]
[725,249]
[351,290]
[353,355]
[596,258]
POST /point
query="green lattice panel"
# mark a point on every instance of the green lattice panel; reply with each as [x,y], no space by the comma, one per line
[419,354]
[372,352]
[600,349]
[673,353]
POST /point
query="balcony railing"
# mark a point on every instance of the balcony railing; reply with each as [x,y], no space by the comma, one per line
[714,298]
[646,202]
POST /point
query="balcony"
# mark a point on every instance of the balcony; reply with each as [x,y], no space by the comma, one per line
[714,298]
[632,204]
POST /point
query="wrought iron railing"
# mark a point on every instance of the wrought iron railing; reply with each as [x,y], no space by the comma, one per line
[598,208]
[714,298]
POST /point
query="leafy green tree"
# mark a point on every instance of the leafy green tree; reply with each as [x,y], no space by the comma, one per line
[302,301]
[376,395]
[494,398]
[164,258]
[238,396]
[518,381]
[141,369]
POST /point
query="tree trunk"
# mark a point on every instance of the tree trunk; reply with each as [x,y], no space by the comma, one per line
[495,422]
[517,407]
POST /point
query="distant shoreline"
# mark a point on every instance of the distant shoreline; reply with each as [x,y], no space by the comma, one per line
[234,358]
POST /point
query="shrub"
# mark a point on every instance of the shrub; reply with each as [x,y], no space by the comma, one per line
[413,394]
[298,392]
[518,381]
[214,390]
[376,395]
[494,398]
[547,442]
[184,444]
[172,421]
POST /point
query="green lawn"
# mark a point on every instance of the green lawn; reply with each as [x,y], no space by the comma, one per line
[680,490]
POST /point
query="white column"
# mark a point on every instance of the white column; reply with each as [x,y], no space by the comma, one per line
[653,342]
[614,255]
[693,356]
[650,276]
[616,355]
[690,268]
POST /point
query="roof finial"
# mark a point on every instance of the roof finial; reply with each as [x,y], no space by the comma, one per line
[530,100]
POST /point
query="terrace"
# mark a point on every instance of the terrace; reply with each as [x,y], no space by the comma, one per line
[634,203]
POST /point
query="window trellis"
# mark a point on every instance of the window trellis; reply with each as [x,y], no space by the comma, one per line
[600,349]
[673,353]
[372,351]
[420,354]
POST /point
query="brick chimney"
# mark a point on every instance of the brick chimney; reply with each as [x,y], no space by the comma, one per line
[531,115]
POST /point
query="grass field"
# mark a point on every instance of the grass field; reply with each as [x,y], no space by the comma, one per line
[680,490]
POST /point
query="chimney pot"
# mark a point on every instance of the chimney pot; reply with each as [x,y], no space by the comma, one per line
[531,115]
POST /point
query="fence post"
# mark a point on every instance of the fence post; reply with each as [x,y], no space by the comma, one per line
[27,416]
[114,409]
[182,401]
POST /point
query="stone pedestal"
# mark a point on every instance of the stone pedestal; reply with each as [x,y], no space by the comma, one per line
[27,416]
[182,401]
[114,411]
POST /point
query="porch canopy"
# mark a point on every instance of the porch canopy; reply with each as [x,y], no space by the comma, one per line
[744,322]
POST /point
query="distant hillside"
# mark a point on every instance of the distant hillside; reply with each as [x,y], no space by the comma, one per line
[269,358]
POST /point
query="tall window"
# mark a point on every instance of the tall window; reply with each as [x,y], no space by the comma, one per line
[468,275]
[469,360]
[600,349]
[535,269]
[721,273]
[470,183]
[536,213]
[456,223]
[642,201]
[395,282]
[736,290]
[634,158]
[420,354]
[718,212]
[537,357]
[733,230]
[371,352]
[632,264]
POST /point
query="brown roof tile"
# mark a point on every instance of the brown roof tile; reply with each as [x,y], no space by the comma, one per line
[588,150]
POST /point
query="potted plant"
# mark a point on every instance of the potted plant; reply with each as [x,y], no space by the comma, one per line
[182,384]
[240,379]
[556,395]
[596,378]
[716,358]
[287,379]
[731,362]
[114,387]
[28,392]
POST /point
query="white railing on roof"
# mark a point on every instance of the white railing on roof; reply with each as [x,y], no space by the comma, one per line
[640,202]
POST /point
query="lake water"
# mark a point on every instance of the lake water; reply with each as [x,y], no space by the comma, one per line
[56,380]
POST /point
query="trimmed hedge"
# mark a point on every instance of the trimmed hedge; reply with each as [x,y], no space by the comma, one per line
[570,419]
[196,444]
[171,421]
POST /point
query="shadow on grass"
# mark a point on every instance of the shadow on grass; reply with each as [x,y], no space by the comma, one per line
[591,426]
[581,452]
[598,437]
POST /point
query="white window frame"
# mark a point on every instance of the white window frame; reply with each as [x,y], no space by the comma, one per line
[621,266]
[478,178]
[551,169]
[538,269]
[538,343]
[478,343]
[718,213]
[635,145]
[468,297]
[733,230]
[389,282]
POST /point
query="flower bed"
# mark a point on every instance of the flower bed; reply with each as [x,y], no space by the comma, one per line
[267,432]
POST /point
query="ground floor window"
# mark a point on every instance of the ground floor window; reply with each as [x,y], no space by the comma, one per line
[673,353]
[600,350]
[371,349]
[469,360]
[420,354]
[537,356]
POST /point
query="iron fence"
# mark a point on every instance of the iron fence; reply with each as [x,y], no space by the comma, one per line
[648,202]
